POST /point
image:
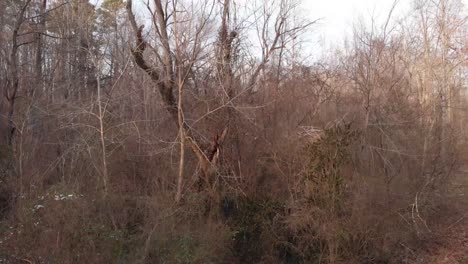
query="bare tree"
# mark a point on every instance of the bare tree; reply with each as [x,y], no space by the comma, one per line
[12,85]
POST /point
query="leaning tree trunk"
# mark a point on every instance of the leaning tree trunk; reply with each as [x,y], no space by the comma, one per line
[166,84]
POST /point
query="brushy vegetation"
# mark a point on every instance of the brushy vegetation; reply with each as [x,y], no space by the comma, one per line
[182,143]
[323,222]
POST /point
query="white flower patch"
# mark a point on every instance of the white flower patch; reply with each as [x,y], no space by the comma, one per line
[62,197]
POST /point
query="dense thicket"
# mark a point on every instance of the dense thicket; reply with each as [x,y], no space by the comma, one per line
[175,131]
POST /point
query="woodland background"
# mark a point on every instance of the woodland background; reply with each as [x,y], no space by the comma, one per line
[199,132]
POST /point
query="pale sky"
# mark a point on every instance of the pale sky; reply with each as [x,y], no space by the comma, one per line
[338,16]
